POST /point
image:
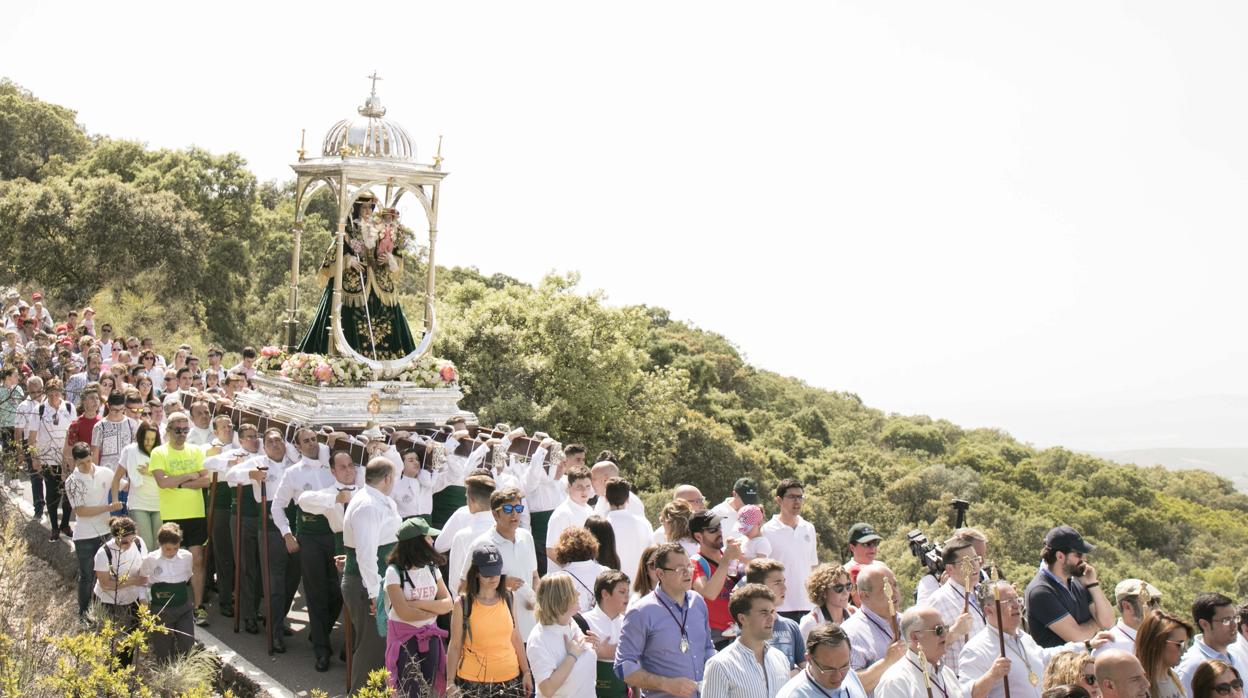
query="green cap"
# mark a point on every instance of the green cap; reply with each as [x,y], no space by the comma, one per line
[416,527]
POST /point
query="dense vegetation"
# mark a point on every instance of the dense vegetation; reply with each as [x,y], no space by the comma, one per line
[188,245]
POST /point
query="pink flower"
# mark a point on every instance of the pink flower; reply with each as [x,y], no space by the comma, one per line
[324,372]
[448,373]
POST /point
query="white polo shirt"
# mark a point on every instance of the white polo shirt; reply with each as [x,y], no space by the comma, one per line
[797,548]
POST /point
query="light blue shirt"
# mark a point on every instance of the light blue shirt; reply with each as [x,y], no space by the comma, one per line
[1198,654]
[651,635]
[802,686]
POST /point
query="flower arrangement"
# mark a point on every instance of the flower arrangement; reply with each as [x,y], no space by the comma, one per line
[271,358]
[344,371]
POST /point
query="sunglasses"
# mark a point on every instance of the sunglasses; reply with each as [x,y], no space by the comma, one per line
[712,529]
[938,630]
[180,430]
[840,588]
[512,508]
[1224,689]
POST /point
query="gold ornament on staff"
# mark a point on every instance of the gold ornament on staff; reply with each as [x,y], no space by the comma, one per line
[892,609]
[1146,599]
[927,680]
[966,566]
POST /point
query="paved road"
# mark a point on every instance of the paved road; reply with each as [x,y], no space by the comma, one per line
[294,669]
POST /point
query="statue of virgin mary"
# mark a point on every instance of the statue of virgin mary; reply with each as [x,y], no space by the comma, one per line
[372,320]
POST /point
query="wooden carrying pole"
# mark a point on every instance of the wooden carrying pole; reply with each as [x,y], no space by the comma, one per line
[996,599]
[264,563]
[238,555]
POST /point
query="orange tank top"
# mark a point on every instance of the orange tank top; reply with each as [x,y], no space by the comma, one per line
[488,655]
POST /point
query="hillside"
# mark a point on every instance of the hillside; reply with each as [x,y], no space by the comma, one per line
[186,245]
[1230,463]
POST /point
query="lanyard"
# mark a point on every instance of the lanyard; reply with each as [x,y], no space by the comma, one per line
[888,634]
[930,676]
[684,616]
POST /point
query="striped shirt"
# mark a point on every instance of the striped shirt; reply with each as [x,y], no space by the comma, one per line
[736,673]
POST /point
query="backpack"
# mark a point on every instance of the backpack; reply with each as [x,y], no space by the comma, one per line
[383,601]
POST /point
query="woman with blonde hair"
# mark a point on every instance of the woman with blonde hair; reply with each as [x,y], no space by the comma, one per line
[562,658]
[1071,667]
[1159,644]
[675,520]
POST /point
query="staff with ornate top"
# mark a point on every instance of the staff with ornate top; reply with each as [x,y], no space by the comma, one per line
[921,673]
[876,641]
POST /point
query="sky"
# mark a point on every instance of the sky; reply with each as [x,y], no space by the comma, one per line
[1003,214]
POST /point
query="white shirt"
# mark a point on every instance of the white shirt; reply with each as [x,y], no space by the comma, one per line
[725,511]
[200,436]
[566,515]
[1024,654]
[413,495]
[632,534]
[305,476]
[796,548]
[461,548]
[370,522]
[926,586]
[813,619]
[50,429]
[948,600]
[144,492]
[325,503]
[546,649]
[584,573]
[423,587]
[802,686]
[90,490]
[241,475]
[457,467]
[634,506]
[1123,639]
[458,519]
[520,561]
[123,564]
[734,672]
[904,679]
[607,629]
[869,637]
[541,488]
[167,570]
[1239,651]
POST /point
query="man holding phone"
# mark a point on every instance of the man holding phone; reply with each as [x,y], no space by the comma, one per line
[1065,602]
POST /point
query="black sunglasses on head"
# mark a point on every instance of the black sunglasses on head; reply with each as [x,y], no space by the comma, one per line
[1224,689]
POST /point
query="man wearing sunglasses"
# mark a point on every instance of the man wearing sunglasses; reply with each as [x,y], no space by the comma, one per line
[981,667]
[927,638]
[178,468]
[713,574]
[1217,622]
[515,544]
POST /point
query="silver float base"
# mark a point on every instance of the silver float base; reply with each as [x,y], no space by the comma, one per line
[396,404]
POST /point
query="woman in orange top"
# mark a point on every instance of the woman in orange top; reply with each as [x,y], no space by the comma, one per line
[486,652]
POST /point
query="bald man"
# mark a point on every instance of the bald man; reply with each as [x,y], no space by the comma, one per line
[870,630]
[598,476]
[1120,675]
[690,494]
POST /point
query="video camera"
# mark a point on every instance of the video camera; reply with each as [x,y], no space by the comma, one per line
[931,555]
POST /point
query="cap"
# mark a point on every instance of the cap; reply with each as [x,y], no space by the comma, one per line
[88,309]
[748,517]
[862,533]
[416,527]
[746,489]
[1065,538]
[488,560]
[703,520]
[1132,587]
[37,297]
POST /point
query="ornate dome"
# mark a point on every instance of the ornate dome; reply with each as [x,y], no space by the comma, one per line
[369,135]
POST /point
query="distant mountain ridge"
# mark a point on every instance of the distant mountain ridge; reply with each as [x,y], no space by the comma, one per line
[1230,463]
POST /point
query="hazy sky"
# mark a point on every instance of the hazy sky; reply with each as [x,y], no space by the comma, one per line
[1007,214]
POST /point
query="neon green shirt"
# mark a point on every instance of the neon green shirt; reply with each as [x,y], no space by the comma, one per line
[178,503]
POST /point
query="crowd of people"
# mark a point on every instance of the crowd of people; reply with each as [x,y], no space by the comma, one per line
[486,573]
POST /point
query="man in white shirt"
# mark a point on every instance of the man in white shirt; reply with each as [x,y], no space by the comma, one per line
[87,488]
[24,424]
[696,501]
[269,468]
[744,491]
[748,667]
[828,672]
[571,512]
[598,477]
[927,638]
[795,544]
[1120,675]
[962,566]
[874,646]
[1134,598]
[544,488]
[632,532]
[45,430]
[479,489]
[519,559]
[369,533]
